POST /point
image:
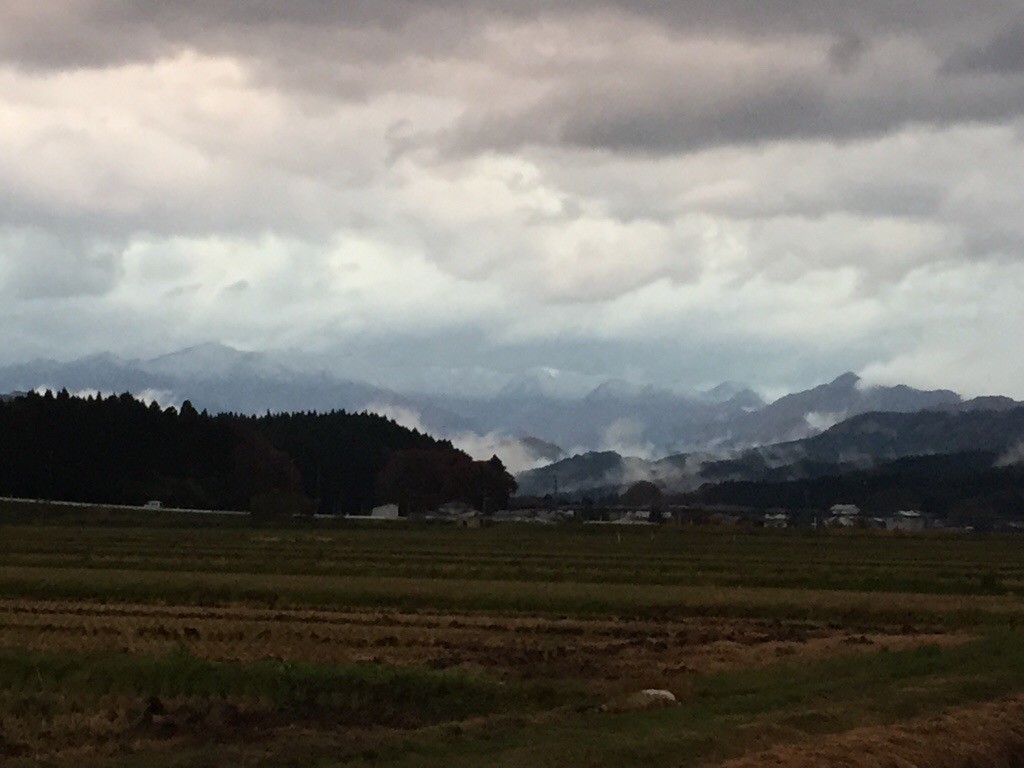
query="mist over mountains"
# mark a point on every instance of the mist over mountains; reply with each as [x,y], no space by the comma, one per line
[993,427]
[530,419]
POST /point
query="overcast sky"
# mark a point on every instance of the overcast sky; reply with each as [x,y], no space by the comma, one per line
[684,191]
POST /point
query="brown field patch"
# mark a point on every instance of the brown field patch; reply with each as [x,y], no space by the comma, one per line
[604,653]
[990,735]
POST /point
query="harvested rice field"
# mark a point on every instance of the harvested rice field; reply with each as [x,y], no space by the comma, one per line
[604,652]
[128,640]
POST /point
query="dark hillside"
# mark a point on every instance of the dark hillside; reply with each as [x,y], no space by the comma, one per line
[964,488]
[117,450]
[351,462]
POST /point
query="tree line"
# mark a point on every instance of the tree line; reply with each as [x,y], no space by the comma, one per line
[118,450]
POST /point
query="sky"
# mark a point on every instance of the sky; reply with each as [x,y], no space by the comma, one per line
[678,192]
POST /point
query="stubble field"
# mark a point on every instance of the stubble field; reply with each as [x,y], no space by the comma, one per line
[146,641]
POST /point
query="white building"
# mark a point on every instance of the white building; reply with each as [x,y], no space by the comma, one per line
[843,515]
[905,520]
[385,512]
[845,510]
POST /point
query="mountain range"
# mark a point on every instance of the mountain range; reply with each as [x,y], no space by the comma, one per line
[989,426]
[534,417]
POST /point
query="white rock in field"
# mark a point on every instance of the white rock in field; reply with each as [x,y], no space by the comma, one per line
[652,698]
[656,696]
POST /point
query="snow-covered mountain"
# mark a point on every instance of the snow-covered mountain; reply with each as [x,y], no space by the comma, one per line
[529,418]
[213,377]
[213,361]
[548,383]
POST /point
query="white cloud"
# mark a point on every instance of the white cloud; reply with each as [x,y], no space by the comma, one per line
[644,180]
[820,421]
[515,454]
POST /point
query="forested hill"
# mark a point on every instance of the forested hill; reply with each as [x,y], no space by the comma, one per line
[352,462]
[117,450]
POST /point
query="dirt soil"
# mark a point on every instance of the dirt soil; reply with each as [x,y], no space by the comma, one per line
[984,736]
[610,654]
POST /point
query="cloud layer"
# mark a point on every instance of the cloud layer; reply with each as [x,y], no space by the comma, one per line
[680,192]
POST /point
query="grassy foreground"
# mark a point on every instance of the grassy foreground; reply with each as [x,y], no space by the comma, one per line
[327,645]
[722,715]
[730,713]
[349,695]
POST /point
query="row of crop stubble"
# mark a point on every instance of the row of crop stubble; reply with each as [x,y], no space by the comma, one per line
[866,562]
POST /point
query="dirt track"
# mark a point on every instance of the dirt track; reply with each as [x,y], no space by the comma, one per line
[985,736]
[605,652]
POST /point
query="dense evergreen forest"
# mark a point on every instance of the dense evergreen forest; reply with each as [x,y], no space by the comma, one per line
[117,450]
[352,462]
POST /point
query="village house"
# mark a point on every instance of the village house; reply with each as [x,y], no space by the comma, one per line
[905,520]
[843,516]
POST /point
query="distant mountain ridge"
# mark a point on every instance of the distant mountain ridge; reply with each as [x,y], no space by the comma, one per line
[535,417]
[985,425]
[802,414]
[212,376]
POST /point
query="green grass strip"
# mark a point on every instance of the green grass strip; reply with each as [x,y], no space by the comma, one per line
[364,694]
[729,713]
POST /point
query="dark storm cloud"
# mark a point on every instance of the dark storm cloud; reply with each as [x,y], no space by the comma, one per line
[627,102]
[658,117]
[96,32]
[846,52]
[1004,54]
